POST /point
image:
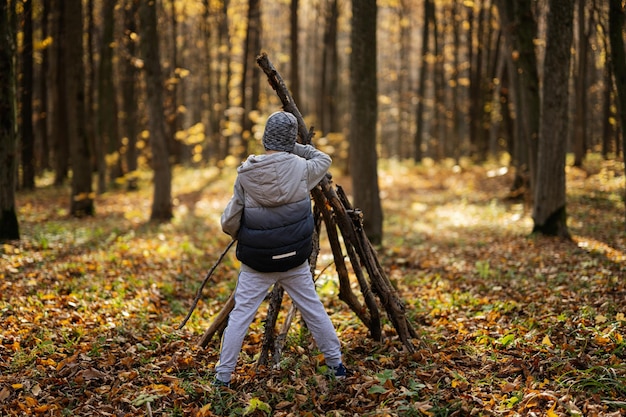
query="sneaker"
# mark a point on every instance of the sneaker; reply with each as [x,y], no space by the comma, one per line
[218,383]
[339,371]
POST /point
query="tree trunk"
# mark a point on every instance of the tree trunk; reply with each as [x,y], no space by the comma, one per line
[223,88]
[176,147]
[294,73]
[91,87]
[27,134]
[439,124]
[108,136]
[162,198]
[250,82]
[60,129]
[327,107]
[476,80]
[549,213]
[618,59]
[363,158]
[457,113]
[521,29]
[81,203]
[42,118]
[429,11]
[397,145]
[9,226]
[580,121]
[129,78]
[607,115]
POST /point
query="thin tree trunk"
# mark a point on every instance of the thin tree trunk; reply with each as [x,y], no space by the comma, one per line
[618,59]
[429,10]
[162,198]
[9,226]
[108,134]
[60,128]
[327,107]
[249,83]
[521,30]
[397,146]
[607,126]
[457,132]
[82,199]
[580,121]
[42,119]
[129,77]
[27,133]
[439,125]
[294,72]
[176,147]
[549,214]
[363,158]
[98,157]
[223,88]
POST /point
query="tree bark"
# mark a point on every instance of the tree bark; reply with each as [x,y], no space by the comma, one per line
[618,59]
[363,158]
[9,226]
[108,134]
[60,129]
[549,213]
[250,93]
[294,73]
[520,28]
[27,133]
[327,100]
[82,198]
[429,10]
[162,198]
[42,118]
[580,121]
[129,76]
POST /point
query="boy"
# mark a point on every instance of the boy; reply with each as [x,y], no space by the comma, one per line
[270,215]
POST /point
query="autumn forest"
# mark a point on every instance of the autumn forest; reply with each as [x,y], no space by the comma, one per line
[470,243]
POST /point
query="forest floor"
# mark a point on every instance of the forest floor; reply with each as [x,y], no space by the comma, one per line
[509,323]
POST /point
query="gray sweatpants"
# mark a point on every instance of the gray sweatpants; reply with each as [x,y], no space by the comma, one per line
[252,288]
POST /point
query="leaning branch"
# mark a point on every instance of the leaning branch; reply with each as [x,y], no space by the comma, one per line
[206,279]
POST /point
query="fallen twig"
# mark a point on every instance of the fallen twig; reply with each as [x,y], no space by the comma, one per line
[206,279]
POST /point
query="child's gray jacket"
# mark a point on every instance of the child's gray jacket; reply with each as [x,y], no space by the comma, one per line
[270,211]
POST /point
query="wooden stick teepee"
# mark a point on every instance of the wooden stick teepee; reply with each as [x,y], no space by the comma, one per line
[331,207]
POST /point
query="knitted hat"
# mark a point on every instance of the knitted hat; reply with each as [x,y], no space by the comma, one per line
[281,130]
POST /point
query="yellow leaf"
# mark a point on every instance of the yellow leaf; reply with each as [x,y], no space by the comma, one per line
[600,319]
[160,389]
[550,412]
[42,408]
[17,386]
[205,411]
[602,340]
[47,362]
[31,402]
[546,341]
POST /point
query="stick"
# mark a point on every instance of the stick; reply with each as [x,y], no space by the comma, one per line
[219,323]
[206,279]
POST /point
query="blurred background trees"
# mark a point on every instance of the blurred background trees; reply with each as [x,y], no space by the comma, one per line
[455,81]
